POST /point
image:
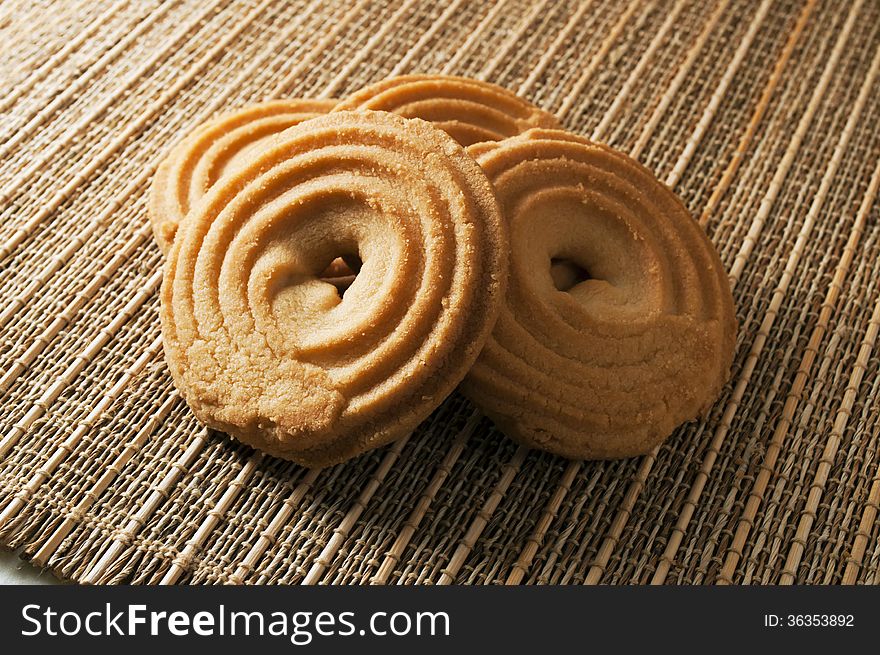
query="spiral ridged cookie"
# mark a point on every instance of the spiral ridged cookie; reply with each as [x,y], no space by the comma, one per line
[218,145]
[264,350]
[618,322]
[469,110]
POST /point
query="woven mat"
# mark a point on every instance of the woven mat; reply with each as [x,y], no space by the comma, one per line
[762,115]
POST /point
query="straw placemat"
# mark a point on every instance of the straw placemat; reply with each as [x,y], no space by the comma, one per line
[762,115]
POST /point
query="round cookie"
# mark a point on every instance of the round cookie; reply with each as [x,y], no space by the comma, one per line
[618,322]
[213,148]
[469,110]
[263,349]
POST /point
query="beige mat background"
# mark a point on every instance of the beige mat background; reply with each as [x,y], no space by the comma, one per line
[763,115]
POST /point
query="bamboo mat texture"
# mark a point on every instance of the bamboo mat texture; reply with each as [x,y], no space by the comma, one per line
[762,115]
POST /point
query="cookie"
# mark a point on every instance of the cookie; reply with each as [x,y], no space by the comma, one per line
[220,144]
[264,350]
[469,110]
[618,322]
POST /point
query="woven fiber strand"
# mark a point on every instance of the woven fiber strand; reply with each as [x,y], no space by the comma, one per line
[761,114]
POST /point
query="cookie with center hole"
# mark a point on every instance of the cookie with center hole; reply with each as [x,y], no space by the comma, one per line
[263,349]
[618,323]
[469,110]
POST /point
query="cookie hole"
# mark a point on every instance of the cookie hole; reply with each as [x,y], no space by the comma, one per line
[567,273]
[341,272]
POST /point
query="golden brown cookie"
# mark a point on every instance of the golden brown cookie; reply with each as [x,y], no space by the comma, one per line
[263,349]
[618,322]
[218,145]
[469,110]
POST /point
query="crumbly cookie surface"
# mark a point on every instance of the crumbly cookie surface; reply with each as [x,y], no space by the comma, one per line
[469,110]
[263,349]
[215,147]
[618,322]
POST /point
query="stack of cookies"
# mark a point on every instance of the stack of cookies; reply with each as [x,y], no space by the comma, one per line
[336,268]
